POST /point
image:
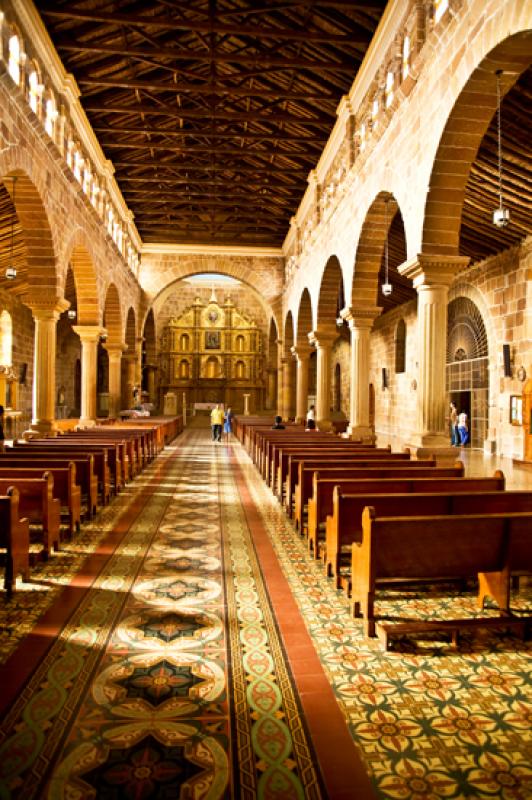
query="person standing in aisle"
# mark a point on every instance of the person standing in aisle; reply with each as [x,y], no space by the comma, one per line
[217,419]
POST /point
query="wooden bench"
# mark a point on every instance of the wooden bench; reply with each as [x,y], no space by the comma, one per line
[38,505]
[117,457]
[278,452]
[344,526]
[288,470]
[93,471]
[268,452]
[15,539]
[86,478]
[335,511]
[420,469]
[66,490]
[435,548]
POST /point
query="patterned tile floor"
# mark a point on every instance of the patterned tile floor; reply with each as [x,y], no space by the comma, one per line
[173,674]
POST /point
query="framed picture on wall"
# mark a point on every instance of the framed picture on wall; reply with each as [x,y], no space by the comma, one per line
[516,409]
[212,340]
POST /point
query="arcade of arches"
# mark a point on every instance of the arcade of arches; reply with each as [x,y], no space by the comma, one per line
[95,321]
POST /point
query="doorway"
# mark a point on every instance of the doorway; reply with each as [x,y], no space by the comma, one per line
[462,401]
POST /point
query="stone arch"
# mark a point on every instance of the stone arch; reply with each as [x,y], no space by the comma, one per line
[370,250]
[112,317]
[150,341]
[304,319]
[464,130]
[78,255]
[34,242]
[331,281]
[131,330]
[288,335]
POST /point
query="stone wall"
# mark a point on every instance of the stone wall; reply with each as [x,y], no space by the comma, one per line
[22,348]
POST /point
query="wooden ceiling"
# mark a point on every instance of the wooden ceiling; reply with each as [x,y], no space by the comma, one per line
[213,111]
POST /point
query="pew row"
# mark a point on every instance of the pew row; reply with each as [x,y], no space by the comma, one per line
[15,539]
[38,505]
[66,490]
[437,548]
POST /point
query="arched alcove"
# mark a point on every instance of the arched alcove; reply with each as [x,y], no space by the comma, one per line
[467,369]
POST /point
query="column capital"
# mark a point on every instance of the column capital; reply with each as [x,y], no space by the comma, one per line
[301,351]
[88,333]
[46,307]
[359,317]
[322,337]
[115,349]
[432,270]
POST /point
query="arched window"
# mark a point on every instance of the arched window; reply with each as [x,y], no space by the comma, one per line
[240,370]
[375,113]
[184,342]
[184,369]
[406,57]
[87,175]
[240,342]
[390,78]
[35,89]
[400,347]
[6,339]
[440,7]
[50,115]
[78,164]
[14,58]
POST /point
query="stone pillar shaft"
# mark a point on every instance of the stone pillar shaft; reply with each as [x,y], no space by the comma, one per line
[302,359]
[89,336]
[323,340]
[360,322]
[115,377]
[271,391]
[44,369]
[288,388]
[432,276]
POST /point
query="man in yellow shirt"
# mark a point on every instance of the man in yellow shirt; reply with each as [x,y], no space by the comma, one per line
[217,420]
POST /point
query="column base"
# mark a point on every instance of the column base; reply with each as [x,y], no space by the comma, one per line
[360,433]
[40,429]
[434,445]
[85,423]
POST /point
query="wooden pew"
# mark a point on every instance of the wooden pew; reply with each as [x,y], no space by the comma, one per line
[38,505]
[420,469]
[323,517]
[344,526]
[434,547]
[288,469]
[92,460]
[15,538]
[119,462]
[65,487]
[86,477]
[277,452]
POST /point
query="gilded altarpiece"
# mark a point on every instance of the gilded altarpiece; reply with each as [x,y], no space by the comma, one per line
[213,354]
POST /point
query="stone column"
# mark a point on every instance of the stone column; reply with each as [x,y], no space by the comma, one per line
[45,316]
[302,355]
[323,341]
[287,398]
[89,336]
[271,390]
[150,370]
[432,276]
[131,374]
[279,399]
[138,363]
[360,323]
[114,351]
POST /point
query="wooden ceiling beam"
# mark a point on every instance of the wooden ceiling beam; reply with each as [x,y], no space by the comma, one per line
[260,32]
[222,151]
[263,168]
[176,112]
[210,134]
[208,89]
[259,61]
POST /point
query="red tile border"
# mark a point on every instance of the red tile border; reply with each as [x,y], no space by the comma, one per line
[341,766]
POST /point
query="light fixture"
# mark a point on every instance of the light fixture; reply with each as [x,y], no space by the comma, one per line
[71,314]
[386,287]
[11,271]
[501,215]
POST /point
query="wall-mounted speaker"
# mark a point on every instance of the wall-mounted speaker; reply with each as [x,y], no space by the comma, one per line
[22,373]
[384,378]
[507,362]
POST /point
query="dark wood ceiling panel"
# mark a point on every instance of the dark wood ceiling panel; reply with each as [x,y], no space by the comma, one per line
[231,101]
[213,102]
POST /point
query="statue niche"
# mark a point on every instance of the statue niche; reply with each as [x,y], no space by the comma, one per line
[212,350]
